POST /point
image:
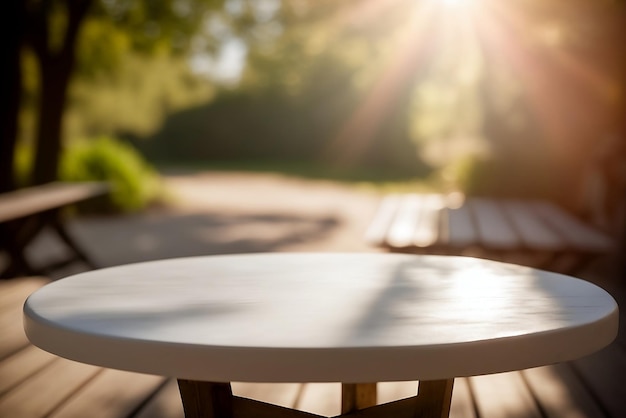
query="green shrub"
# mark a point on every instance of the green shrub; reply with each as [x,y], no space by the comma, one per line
[134,184]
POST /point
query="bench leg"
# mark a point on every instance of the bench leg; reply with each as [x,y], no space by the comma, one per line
[65,236]
[16,236]
[18,265]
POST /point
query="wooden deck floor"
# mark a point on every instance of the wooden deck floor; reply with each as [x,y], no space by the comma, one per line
[36,384]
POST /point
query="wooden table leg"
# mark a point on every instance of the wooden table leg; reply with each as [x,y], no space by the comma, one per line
[355,396]
[434,398]
[216,400]
[206,399]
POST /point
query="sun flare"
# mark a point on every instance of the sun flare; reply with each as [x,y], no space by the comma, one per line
[457,3]
[488,74]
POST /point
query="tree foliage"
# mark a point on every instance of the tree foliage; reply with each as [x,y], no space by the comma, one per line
[350,80]
[309,67]
[51,30]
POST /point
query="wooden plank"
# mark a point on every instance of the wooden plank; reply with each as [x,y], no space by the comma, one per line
[393,391]
[42,393]
[405,408]
[320,399]
[36,199]
[493,228]
[503,395]
[165,404]
[111,394]
[578,235]
[427,229]
[402,229]
[281,394]
[533,230]
[249,408]
[14,292]
[458,228]
[462,405]
[376,233]
[605,374]
[13,337]
[560,393]
[409,220]
[21,365]
[11,330]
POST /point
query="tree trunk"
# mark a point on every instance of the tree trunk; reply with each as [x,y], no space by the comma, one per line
[12,17]
[54,82]
[56,67]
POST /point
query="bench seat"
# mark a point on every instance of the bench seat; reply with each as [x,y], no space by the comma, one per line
[24,213]
[454,224]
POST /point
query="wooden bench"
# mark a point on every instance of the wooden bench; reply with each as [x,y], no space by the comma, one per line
[532,232]
[24,213]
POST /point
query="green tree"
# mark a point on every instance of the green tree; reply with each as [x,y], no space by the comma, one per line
[349,66]
[51,29]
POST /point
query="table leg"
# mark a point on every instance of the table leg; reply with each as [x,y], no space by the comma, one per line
[216,400]
[434,398]
[206,399]
[355,396]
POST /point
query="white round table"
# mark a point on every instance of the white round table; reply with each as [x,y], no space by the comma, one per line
[293,317]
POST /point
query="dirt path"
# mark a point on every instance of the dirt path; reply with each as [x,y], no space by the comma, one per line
[225,213]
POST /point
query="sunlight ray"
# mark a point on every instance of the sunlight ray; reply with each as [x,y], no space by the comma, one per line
[588,75]
[366,12]
[565,103]
[356,133]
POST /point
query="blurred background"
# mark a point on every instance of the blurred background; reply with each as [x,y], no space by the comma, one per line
[237,126]
[483,96]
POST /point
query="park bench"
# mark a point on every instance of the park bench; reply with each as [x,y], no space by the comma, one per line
[528,231]
[534,232]
[24,213]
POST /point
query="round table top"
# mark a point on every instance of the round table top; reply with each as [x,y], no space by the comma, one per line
[294,317]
